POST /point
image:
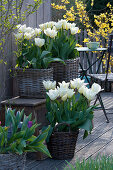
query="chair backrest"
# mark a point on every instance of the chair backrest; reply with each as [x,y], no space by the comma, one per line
[110,51]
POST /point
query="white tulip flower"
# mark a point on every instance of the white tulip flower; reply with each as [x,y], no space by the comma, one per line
[58,25]
[47,31]
[73,84]
[28,36]
[29,29]
[77,83]
[96,88]
[22,28]
[50,32]
[89,94]
[64,98]
[18,36]
[70,93]
[82,89]
[62,91]
[64,22]
[68,25]
[74,30]
[50,24]
[37,31]
[53,34]
[49,84]
[39,42]
[53,94]
[64,84]
[42,26]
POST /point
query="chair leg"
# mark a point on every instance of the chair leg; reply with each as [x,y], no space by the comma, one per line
[102,105]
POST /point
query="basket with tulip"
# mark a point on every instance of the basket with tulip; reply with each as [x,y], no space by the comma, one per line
[38,48]
[69,110]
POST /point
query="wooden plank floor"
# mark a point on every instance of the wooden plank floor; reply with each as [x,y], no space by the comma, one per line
[99,142]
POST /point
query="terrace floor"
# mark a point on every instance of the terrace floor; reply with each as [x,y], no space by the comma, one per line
[99,142]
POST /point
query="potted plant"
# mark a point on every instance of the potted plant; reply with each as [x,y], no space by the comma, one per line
[63,47]
[33,58]
[17,138]
[69,110]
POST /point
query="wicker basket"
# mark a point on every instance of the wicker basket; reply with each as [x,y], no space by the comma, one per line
[30,82]
[12,161]
[66,72]
[62,144]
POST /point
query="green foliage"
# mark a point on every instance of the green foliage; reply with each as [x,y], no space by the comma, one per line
[35,57]
[18,137]
[99,163]
[74,111]
[64,45]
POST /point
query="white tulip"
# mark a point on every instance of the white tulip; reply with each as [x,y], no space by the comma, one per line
[53,85]
[18,36]
[49,84]
[70,93]
[50,32]
[68,25]
[76,83]
[29,29]
[82,89]
[96,88]
[73,84]
[64,84]
[22,28]
[42,26]
[79,82]
[50,24]
[53,94]
[89,94]
[47,31]
[39,42]
[64,98]
[74,30]
[53,34]
[58,25]
[37,31]
[64,22]
[28,36]
[62,91]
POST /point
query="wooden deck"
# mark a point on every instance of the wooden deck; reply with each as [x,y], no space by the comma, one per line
[99,142]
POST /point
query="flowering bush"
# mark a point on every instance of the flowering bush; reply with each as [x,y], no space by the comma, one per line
[53,41]
[70,103]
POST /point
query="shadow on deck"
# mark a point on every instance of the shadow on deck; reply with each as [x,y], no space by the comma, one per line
[99,142]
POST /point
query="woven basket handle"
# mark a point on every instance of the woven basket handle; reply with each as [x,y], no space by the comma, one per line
[64,123]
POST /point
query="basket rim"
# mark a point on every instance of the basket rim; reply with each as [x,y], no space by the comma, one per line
[31,69]
[71,132]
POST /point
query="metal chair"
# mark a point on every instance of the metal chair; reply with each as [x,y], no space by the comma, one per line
[105,78]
